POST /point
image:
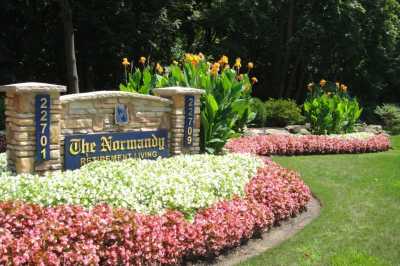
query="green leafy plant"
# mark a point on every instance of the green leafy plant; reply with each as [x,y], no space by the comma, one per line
[330,110]
[390,116]
[137,79]
[282,112]
[226,104]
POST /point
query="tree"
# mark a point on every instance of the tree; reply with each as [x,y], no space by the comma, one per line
[69,46]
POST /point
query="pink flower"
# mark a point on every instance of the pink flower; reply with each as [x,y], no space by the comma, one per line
[313,144]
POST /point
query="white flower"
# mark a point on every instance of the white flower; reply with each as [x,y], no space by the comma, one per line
[185,183]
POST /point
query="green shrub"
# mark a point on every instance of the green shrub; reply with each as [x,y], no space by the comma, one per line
[330,110]
[258,107]
[390,116]
[282,112]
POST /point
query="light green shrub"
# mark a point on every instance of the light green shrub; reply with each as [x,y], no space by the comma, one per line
[390,116]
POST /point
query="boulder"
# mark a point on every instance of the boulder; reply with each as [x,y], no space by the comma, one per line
[298,129]
[360,127]
[265,131]
[304,131]
[376,129]
[254,131]
[276,131]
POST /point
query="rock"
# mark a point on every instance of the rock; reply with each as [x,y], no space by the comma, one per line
[376,129]
[298,129]
[360,127]
[363,127]
[304,131]
[254,131]
[295,129]
[276,131]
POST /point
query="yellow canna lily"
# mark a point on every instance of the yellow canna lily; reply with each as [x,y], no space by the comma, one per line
[195,59]
[223,60]
[159,68]
[250,65]
[238,63]
[189,57]
[254,80]
[125,61]
[142,60]
[215,69]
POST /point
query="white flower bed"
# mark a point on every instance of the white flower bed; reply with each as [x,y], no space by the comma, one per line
[185,183]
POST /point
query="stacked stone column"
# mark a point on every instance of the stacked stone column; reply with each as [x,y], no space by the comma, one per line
[20,126]
[177,95]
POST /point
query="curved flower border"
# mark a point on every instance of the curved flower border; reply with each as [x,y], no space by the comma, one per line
[312,144]
[71,235]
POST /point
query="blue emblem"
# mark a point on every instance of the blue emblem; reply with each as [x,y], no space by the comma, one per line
[121,114]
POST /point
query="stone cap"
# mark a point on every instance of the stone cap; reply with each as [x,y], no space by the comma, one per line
[110,94]
[32,87]
[171,91]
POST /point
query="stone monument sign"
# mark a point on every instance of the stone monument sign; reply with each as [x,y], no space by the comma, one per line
[46,131]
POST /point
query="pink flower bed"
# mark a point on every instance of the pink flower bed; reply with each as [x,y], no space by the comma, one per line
[313,144]
[71,235]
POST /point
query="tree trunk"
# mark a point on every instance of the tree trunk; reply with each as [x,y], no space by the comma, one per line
[69,43]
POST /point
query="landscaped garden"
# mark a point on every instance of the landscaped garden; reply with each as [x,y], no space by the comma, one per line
[271,129]
[196,207]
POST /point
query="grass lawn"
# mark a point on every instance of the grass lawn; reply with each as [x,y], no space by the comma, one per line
[360,219]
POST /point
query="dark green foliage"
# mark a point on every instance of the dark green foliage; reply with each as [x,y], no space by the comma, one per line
[282,112]
[390,116]
[258,106]
[290,42]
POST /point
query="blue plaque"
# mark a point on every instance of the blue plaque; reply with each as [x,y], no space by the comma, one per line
[121,114]
[42,127]
[84,148]
[189,121]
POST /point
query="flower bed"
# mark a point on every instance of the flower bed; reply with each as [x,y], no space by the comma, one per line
[183,183]
[70,234]
[312,144]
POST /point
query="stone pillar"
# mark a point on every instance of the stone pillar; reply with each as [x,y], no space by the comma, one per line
[178,145]
[21,126]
